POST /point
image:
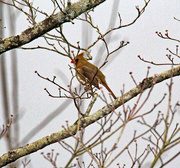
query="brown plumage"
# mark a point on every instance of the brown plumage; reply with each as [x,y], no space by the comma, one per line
[89,73]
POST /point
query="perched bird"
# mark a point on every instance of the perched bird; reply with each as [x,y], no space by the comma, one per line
[89,73]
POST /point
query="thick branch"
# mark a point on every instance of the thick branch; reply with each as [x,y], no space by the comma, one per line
[53,21]
[13,155]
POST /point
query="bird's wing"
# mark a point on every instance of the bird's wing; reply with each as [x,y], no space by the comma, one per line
[91,75]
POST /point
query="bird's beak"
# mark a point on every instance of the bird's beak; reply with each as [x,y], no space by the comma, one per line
[72,61]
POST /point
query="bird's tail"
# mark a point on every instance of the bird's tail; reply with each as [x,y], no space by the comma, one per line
[107,87]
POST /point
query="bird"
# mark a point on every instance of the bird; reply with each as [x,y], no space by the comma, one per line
[89,73]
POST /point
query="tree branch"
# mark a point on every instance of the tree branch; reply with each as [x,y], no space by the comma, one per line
[15,154]
[67,15]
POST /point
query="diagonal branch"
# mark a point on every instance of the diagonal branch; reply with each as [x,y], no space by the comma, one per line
[67,15]
[15,154]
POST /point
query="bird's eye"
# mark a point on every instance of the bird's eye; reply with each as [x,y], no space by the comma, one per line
[76,61]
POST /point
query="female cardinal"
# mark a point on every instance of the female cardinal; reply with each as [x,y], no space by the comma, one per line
[89,73]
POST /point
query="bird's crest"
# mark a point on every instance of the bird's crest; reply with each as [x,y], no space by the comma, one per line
[81,54]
